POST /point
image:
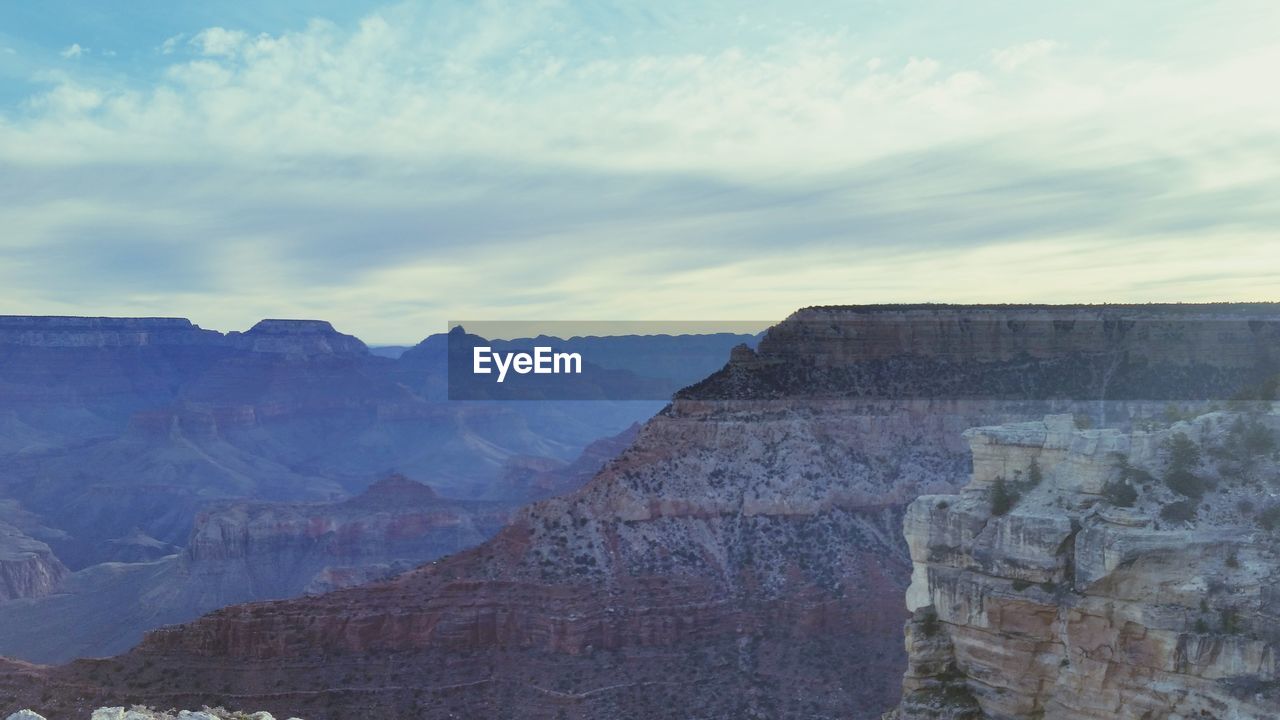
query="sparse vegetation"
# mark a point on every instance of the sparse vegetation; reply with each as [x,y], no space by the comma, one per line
[1257,439]
[1120,493]
[1230,621]
[1034,474]
[1269,519]
[1005,494]
[929,623]
[1002,497]
[1184,455]
[1180,511]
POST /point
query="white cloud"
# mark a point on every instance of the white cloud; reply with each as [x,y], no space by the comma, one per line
[349,170]
[1011,58]
[219,42]
[171,44]
[73,51]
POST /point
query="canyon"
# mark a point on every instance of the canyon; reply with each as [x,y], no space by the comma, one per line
[741,558]
[241,551]
[152,470]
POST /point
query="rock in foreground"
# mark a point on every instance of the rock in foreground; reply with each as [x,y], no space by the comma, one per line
[1101,575]
[144,713]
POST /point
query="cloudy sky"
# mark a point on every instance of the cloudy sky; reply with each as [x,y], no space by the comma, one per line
[392,167]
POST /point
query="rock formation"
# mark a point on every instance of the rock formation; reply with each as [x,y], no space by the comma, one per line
[145,713]
[1100,575]
[742,557]
[28,568]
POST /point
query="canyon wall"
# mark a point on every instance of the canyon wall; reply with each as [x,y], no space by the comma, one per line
[1106,584]
[28,568]
[743,557]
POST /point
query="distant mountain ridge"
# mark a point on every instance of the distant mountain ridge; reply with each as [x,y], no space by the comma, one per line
[167,416]
[118,436]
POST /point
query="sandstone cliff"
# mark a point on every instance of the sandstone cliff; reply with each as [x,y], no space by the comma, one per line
[1100,574]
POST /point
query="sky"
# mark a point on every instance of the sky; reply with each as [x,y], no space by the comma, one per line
[394,167]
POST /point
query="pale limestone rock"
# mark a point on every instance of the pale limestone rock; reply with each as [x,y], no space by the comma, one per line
[25,715]
[1068,608]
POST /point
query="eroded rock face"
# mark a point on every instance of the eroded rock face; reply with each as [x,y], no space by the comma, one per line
[1086,601]
[277,549]
[28,568]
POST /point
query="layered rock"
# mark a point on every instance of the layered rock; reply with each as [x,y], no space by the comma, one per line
[277,550]
[1111,352]
[535,478]
[742,557]
[237,552]
[1102,592]
[28,568]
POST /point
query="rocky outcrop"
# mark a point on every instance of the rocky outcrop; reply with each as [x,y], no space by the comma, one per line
[139,547]
[300,338]
[1099,575]
[28,568]
[145,713]
[277,550]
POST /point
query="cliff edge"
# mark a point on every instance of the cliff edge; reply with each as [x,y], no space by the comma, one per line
[1101,575]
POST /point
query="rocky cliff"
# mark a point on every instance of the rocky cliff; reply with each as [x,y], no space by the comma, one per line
[1111,352]
[1100,574]
[742,557]
[28,568]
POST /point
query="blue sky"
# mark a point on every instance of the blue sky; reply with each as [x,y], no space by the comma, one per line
[390,167]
